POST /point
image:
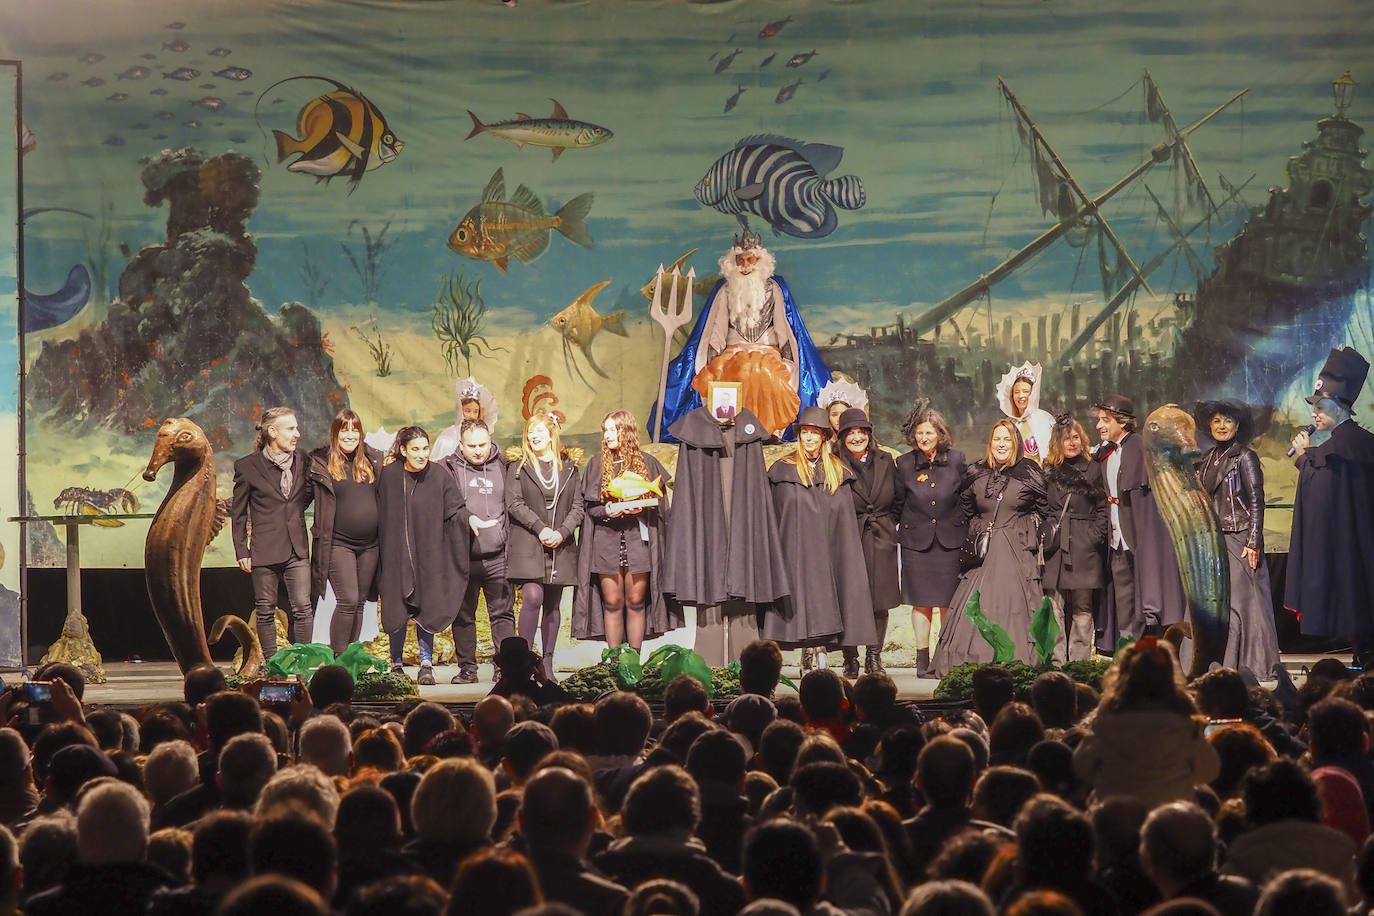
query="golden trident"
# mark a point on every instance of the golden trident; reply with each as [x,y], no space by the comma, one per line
[673,314]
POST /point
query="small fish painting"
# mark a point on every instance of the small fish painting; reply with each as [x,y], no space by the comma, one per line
[701,287]
[176,47]
[557,131]
[782,181]
[786,92]
[117,97]
[148,56]
[726,61]
[158,91]
[237,74]
[209,103]
[579,324]
[193,124]
[824,74]
[182,74]
[138,126]
[114,140]
[59,76]
[93,81]
[773,28]
[798,60]
[235,138]
[159,136]
[497,229]
[769,59]
[342,133]
[207,85]
[220,52]
[175,26]
[93,58]
[733,100]
[135,73]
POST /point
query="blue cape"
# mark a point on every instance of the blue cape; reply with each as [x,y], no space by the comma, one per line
[680,398]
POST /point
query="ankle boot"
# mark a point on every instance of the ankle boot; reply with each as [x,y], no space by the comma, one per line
[873,661]
[923,663]
[808,660]
[851,662]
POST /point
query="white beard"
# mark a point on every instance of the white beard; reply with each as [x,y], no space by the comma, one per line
[746,295]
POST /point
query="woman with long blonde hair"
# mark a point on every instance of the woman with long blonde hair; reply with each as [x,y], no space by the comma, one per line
[621,549]
[344,550]
[830,603]
[544,502]
[1003,495]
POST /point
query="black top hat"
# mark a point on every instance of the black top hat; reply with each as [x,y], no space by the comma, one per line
[815,416]
[1342,378]
[514,652]
[855,418]
[1203,411]
[1118,404]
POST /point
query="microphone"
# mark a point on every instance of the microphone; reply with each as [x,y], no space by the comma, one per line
[1310,428]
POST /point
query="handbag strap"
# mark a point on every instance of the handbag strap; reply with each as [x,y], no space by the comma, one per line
[1065,509]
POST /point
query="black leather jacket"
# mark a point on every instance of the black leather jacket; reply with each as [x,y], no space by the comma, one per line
[1232,478]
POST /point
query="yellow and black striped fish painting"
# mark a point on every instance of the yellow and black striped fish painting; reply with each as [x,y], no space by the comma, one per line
[342,133]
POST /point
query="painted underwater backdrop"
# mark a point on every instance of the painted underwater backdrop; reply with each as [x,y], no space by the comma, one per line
[292,201]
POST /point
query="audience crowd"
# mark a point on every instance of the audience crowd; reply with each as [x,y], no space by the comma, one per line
[1216,797]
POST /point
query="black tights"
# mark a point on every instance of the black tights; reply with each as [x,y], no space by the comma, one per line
[539,611]
[622,607]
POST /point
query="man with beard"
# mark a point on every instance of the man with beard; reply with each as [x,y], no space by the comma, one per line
[749,332]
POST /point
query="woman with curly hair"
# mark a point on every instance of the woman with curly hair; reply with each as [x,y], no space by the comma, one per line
[1075,568]
[930,521]
[544,502]
[621,550]
[1146,737]
[1231,476]
[1003,495]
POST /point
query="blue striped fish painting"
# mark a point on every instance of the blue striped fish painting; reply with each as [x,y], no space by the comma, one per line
[781,181]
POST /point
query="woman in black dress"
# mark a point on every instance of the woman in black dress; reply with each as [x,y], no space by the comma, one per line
[930,521]
[874,488]
[819,539]
[1077,569]
[344,549]
[544,501]
[424,538]
[620,549]
[1004,494]
[1233,478]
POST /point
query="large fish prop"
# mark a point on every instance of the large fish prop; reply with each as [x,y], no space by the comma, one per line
[635,486]
[782,181]
[497,229]
[557,131]
[342,134]
[1170,439]
[579,324]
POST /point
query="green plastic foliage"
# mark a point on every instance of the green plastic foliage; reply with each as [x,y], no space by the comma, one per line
[628,667]
[1044,630]
[301,658]
[358,662]
[1003,649]
[674,660]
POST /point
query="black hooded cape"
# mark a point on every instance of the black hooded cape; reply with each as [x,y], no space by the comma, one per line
[830,601]
[663,613]
[704,563]
[424,537]
[1330,580]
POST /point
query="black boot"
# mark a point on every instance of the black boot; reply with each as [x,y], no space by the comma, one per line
[923,663]
[851,662]
[873,661]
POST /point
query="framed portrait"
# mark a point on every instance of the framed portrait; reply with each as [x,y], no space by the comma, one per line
[723,399]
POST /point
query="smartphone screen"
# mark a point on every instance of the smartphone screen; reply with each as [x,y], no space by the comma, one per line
[38,692]
[276,692]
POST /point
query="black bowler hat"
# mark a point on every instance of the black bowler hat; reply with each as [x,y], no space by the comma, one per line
[815,416]
[1118,404]
[514,653]
[1342,378]
[855,418]
[1203,411]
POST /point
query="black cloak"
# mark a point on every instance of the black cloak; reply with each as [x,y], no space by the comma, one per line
[830,600]
[663,613]
[424,537]
[875,490]
[1330,579]
[704,563]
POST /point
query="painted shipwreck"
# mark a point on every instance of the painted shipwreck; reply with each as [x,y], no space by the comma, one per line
[1279,296]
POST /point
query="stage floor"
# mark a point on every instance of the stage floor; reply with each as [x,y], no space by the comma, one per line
[133,684]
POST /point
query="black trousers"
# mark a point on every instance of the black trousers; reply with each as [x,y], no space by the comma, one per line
[1130,616]
[488,576]
[351,571]
[294,574]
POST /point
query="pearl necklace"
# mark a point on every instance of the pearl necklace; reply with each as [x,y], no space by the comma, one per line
[547,482]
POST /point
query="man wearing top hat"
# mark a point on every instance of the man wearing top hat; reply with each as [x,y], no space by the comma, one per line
[1330,580]
[1146,593]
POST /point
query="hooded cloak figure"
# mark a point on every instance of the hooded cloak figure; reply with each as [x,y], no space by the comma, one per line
[1330,580]
[750,332]
[1018,395]
[722,549]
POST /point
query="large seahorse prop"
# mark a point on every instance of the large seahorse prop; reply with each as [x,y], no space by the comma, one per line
[1170,439]
[189,518]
